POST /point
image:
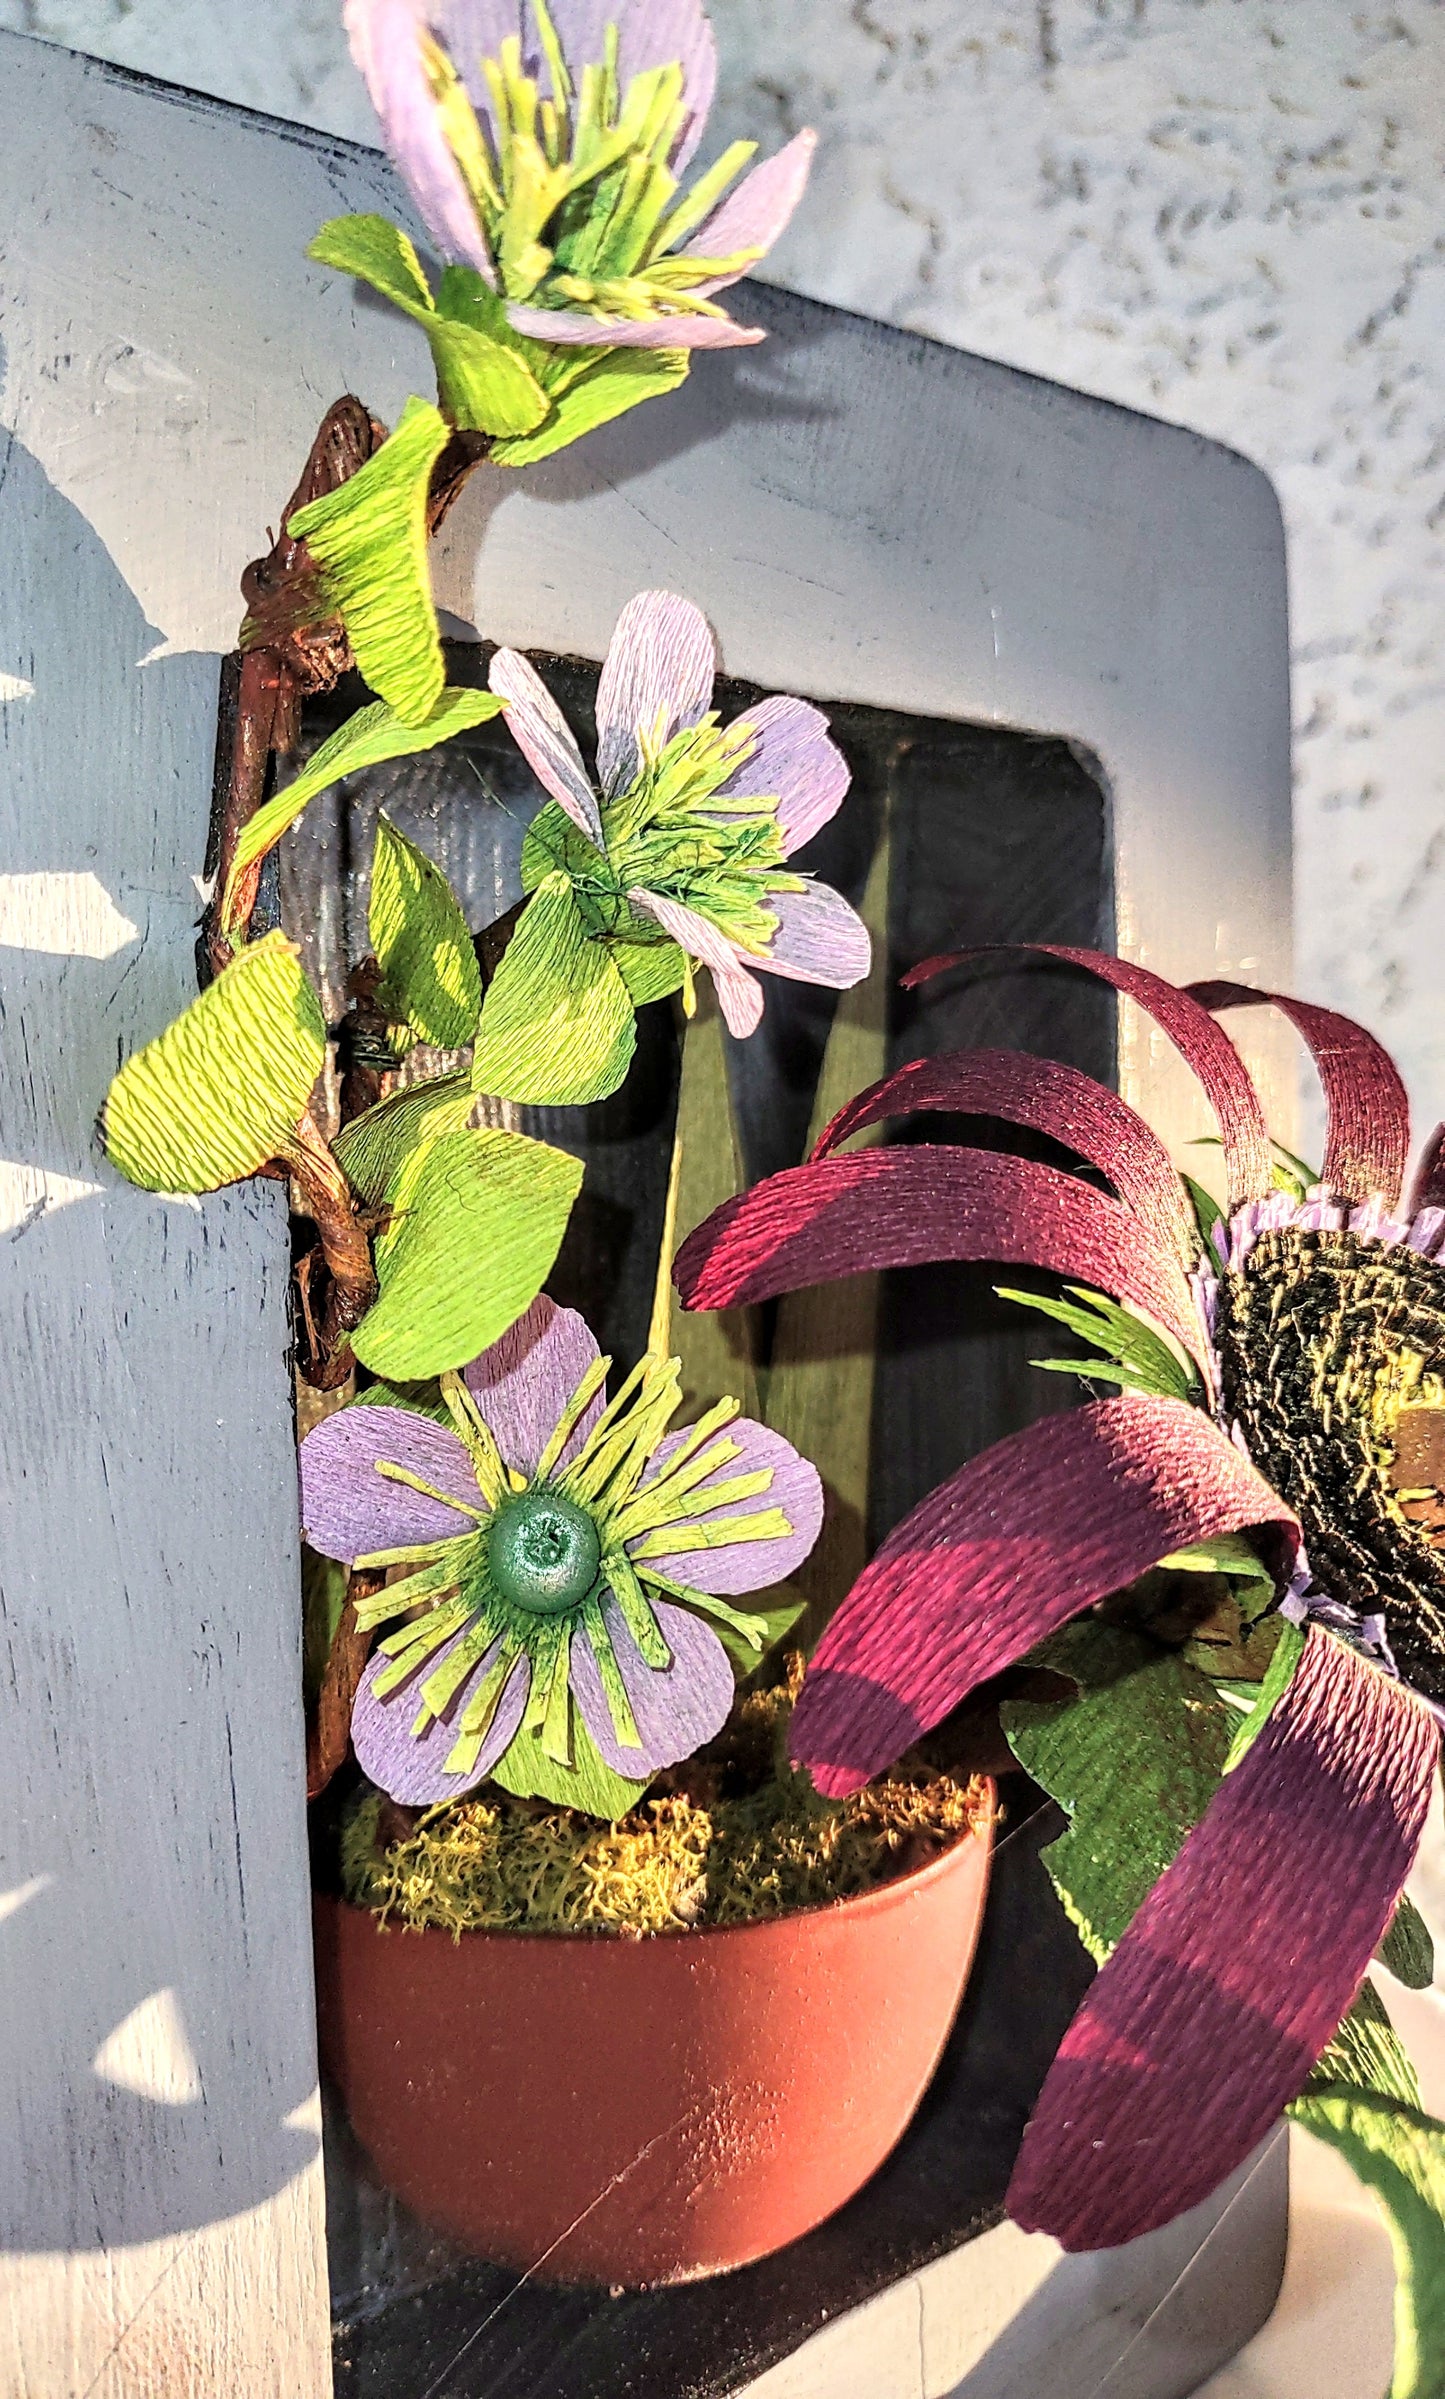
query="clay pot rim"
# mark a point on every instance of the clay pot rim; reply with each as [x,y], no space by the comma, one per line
[882,1895]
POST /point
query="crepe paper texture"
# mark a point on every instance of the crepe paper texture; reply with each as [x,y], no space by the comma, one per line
[569,1563]
[431,986]
[1315,1316]
[675,853]
[544,148]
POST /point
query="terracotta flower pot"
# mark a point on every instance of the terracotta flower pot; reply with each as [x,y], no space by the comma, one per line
[648,2111]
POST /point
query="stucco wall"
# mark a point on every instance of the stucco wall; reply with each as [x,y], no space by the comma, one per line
[1222,211]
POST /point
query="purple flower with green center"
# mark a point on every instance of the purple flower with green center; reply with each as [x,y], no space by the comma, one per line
[568,1560]
[676,853]
[544,148]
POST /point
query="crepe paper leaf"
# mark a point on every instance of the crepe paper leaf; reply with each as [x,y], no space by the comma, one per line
[1407,1949]
[1231,1647]
[777,1623]
[1367,2053]
[477,1219]
[369,738]
[1366,1105]
[423,1399]
[431,983]
[373,1148]
[1398,2153]
[717,1353]
[323,1596]
[1135,1702]
[1207,1211]
[587,1784]
[1213,2009]
[1008,1549]
[483,381]
[376,252]
[221,1092]
[1126,1351]
[557,1024]
[1194,1033]
[1279,1674]
[1235,1556]
[615,381]
[1070,1107]
[914,1207]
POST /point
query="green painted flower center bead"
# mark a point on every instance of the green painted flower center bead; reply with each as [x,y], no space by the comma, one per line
[544,1553]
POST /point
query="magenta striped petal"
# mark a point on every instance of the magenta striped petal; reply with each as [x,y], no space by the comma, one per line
[744,1565]
[349,1510]
[739,996]
[915,1207]
[1053,1099]
[795,761]
[524,1381]
[1012,1546]
[573,329]
[1239,1965]
[1368,1109]
[819,939]
[676,1707]
[412,1768]
[1199,1040]
[385,38]
[656,679]
[753,216]
[544,737]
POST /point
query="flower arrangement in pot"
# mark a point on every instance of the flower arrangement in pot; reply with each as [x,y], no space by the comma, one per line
[591,1951]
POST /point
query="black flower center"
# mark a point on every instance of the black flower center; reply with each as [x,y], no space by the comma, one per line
[543,1552]
[1322,1338]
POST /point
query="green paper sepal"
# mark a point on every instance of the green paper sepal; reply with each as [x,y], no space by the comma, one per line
[588,1784]
[557,1025]
[608,385]
[484,381]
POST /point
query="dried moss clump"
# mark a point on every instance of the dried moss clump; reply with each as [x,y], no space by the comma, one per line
[731,1836]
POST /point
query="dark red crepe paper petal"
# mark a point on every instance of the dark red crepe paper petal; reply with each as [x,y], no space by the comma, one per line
[1368,1138]
[1427,1188]
[1194,1033]
[1239,1965]
[1071,1107]
[913,1207]
[1016,1543]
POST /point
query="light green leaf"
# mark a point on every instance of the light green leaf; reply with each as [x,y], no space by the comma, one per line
[477,1219]
[1366,2052]
[1407,1948]
[423,1399]
[777,1623]
[1207,1214]
[369,738]
[483,380]
[1279,1674]
[223,1089]
[617,381]
[588,1784]
[1135,1702]
[652,970]
[370,538]
[323,1596]
[1399,2154]
[432,983]
[1138,1358]
[376,252]
[373,1148]
[557,1024]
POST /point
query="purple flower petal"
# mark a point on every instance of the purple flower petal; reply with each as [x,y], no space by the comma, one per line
[524,1381]
[1009,1548]
[652,33]
[819,939]
[739,996]
[754,214]
[796,762]
[677,1707]
[544,737]
[349,1511]
[1366,1104]
[385,40]
[1231,1978]
[574,329]
[412,1769]
[1082,1114]
[744,1565]
[657,678]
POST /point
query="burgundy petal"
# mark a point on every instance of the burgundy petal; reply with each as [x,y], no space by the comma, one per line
[1012,1546]
[913,1207]
[676,1707]
[412,1768]
[1368,1139]
[1427,1187]
[1239,1965]
[349,1510]
[1194,1033]
[743,1565]
[524,1381]
[1058,1100]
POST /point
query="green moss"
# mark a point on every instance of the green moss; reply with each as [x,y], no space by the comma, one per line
[732,1835]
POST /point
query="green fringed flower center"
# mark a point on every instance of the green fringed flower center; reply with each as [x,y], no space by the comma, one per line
[1322,1339]
[543,1552]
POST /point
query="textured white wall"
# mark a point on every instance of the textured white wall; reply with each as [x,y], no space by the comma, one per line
[1221,211]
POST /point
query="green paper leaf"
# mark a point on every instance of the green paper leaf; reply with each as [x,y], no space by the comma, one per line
[423,1399]
[778,1622]
[483,380]
[1407,1948]
[370,537]
[1288,1651]
[588,1784]
[1135,1702]
[652,970]
[1207,1214]
[223,1089]
[557,1024]
[1125,1350]
[615,381]
[376,252]
[432,983]
[323,1596]
[1399,2154]
[1366,2052]
[373,1148]
[369,738]
[477,1220]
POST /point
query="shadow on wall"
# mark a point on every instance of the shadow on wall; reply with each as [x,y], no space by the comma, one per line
[154,1945]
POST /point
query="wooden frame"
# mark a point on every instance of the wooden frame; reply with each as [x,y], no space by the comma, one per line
[864,516]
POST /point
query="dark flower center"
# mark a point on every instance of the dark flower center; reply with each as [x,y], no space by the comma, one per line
[543,1552]
[1323,1338]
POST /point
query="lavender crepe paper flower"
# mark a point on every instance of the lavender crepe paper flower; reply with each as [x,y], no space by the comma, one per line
[498,112]
[679,851]
[560,1551]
